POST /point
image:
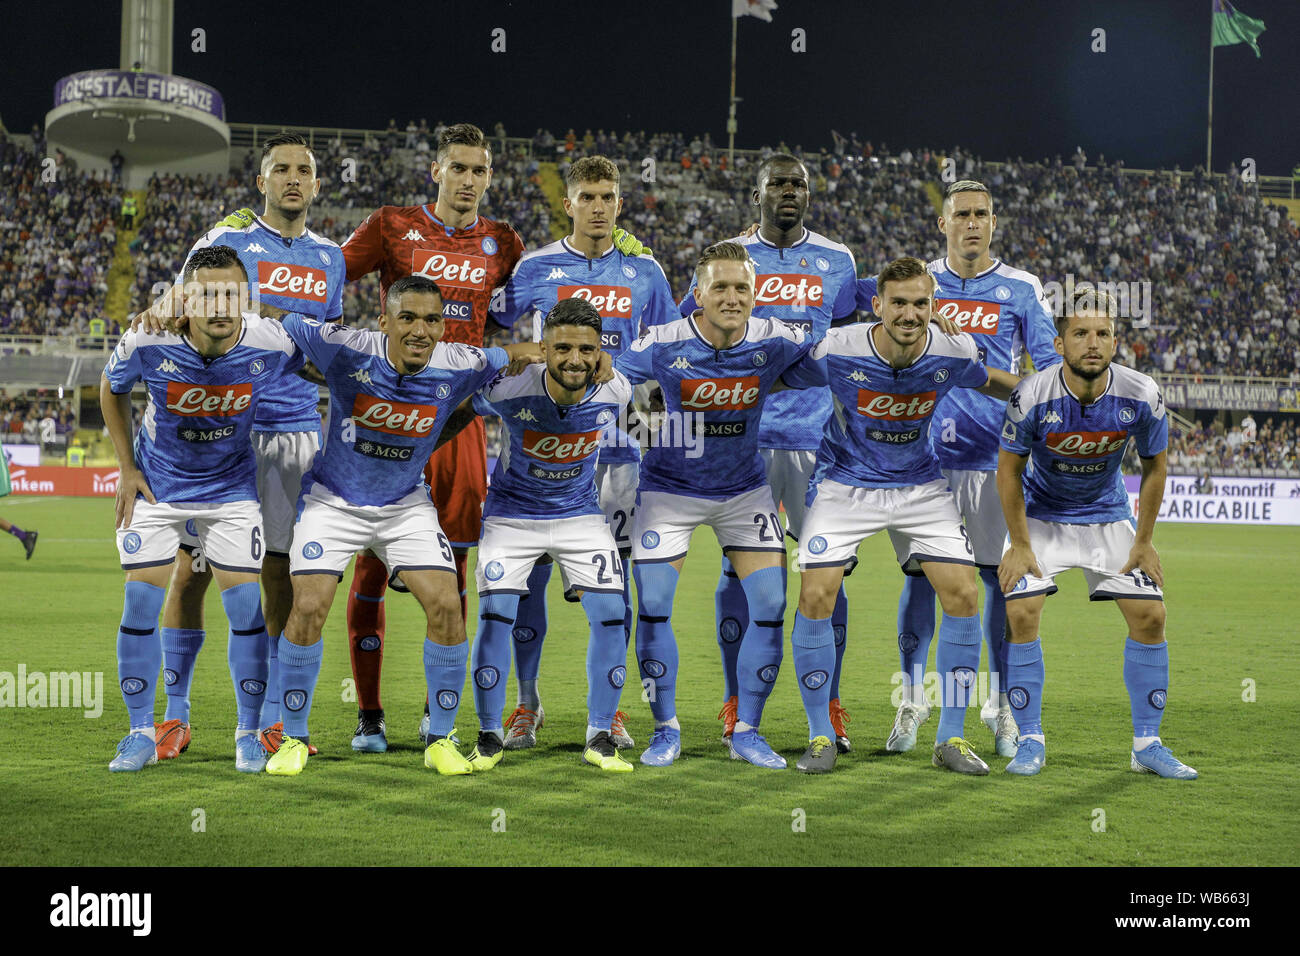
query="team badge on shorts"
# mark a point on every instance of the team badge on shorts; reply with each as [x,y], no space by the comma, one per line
[494,571]
[650,540]
[816,544]
[312,550]
[1021,584]
[131,543]
[487,676]
[617,675]
[489,246]
[448,699]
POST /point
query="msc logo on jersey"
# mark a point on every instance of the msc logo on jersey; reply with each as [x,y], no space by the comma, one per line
[487,677]
[789,289]
[457,311]
[650,540]
[611,301]
[450,269]
[1126,415]
[494,571]
[653,668]
[617,676]
[895,408]
[292,282]
[940,376]
[489,246]
[814,679]
[979,318]
[312,550]
[768,674]
[256,367]
[816,545]
[448,699]
[295,700]
[442,391]
[131,542]
[1019,698]
[715,394]
[1157,698]
[133,685]
[166,365]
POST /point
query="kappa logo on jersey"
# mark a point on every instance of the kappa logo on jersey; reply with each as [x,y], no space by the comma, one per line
[681,363]
[611,301]
[168,366]
[857,377]
[557,274]
[524,415]
[789,289]
[394,418]
[361,375]
[413,235]
[1085,444]
[209,400]
[979,318]
[730,394]
[560,449]
[256,248]
[292,282]
[450,269]
[1051,418]
[895,408]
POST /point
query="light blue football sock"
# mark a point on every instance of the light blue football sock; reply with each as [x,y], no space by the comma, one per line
[759,660]
[530,625]
[444,673]
[1146,675]
[656,645]
[491,657]
[299,672]
[180,648]
[813,643]
[606,657]
[139,652]
[957,660]
[1025,678]
[246,651]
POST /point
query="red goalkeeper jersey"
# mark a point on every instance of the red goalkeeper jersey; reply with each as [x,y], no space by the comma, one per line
[468,264]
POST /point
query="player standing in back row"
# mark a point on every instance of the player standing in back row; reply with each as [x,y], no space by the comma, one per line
[1070,510]
[1004,310]
[808,281]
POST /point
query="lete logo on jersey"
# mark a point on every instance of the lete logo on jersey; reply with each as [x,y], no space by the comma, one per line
[789,289]
[561,449]
[1086,444]
[895,408]
[450,269]
[292,282]
[219,400]
[395,418]
[978,318]
[730,394]
[611,301]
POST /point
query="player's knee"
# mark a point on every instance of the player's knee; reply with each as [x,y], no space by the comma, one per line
[603,609]
[1148,622]
[442,613]
[960,600]
[656,585]
[1023,622]
[816,600]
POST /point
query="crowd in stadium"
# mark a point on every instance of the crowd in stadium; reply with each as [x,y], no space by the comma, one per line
[29,420]
[1212,448]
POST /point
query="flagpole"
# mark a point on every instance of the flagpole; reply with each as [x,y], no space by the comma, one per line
[1209,111]
[731,114]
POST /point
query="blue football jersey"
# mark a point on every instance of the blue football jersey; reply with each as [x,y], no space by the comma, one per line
[810,285]
[1075,450]
[630,292]
[708,447]
[1008,315]
[383,424]
[878,434]
[301,275]
[547,467]
[194,441]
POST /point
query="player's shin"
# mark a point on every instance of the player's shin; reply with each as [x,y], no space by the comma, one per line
[1146,676]
[299,672]
[139,652]
[656,645]
[915,632]
[491,658]
[366,628]
[529,632]
[1025,676]
[246,651]
[606,659]
[995,628]
[957,660]
[761,650]
[180,649]
[444,673]
[813,643]
[731,609]
[840,631]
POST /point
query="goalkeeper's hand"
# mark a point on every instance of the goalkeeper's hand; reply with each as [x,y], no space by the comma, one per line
[239,219]
[629,244]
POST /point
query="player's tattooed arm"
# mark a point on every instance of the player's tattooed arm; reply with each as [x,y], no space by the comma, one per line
[1019,559]
[456,422]
[1000,384]
[1143,554]
[117,419]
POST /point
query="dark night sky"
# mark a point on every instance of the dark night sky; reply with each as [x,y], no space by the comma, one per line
[1003,78]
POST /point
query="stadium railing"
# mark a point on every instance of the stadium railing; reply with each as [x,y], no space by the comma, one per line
[56,344]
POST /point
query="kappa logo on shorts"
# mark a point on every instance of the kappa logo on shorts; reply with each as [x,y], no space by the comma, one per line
[448,699]
[252,686]
[370,642]
[170,677]
[650,540]
[963,676]
[493,571]
[295,700]
[814,679]
[487,676]
[729,630]
[816,545]
[312,550]
[617,675]
[1157,698]
[523,634]
[1019,698]
[768,674]
[908,642]
[653,668]
[131,543]
[133,685]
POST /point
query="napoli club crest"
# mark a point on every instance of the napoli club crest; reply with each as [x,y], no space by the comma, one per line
[1002,292]
[605,417]
[617,676]
[448,699]
[312,550]
[131,543]
[443,391]
[768,674]
[760,358]
[256,367]
[816,545]
[814,679]
[487,677]
[940,376]
[822,264]
[295,700]
[324,258]
[629,270]
[489,246]
[650,540]
[1019,698]
[133,685]
[1157,698]
[653,668]
[1126,414]
[494,571]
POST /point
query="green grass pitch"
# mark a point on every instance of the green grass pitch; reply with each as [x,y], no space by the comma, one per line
[1232,625]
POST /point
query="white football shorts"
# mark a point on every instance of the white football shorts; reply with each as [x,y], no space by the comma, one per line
[1099,549]
[228,534]
[664,523]
[583,547]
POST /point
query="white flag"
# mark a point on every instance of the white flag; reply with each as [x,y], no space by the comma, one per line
[753,8]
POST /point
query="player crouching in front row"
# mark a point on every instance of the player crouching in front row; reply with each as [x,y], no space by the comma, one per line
[1071,510]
